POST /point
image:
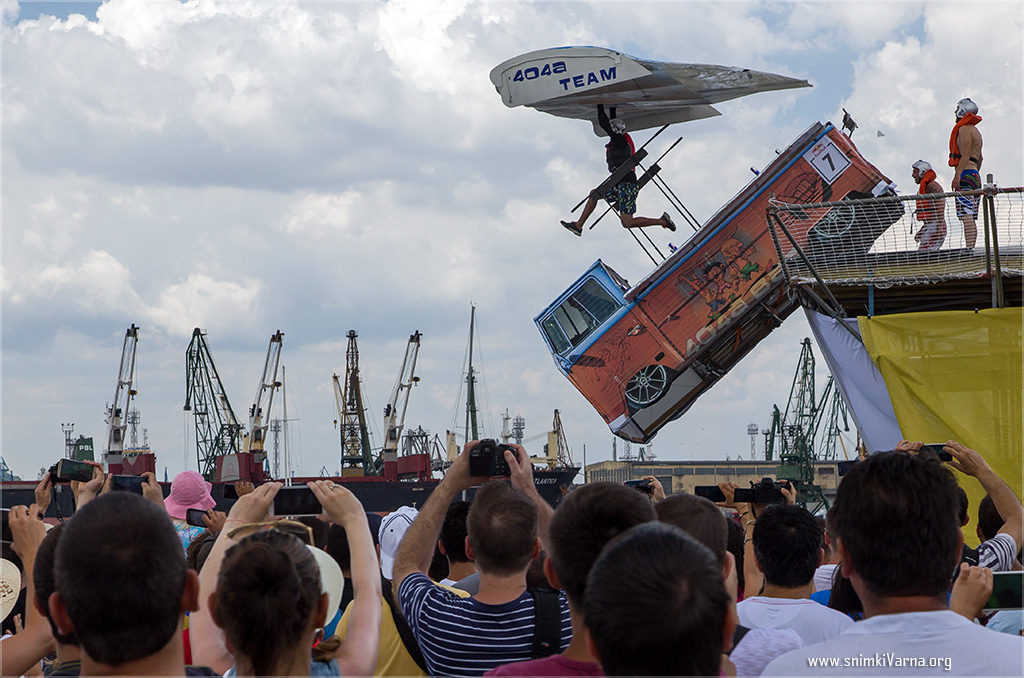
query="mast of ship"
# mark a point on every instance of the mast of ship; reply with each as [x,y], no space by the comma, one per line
[471,425]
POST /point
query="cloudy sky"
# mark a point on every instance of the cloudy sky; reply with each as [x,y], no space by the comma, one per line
[315,167]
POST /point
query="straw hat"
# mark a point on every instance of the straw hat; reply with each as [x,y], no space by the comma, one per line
[10,586]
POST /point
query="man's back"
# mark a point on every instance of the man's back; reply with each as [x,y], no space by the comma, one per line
[812,621]
[464,637]
[940,643]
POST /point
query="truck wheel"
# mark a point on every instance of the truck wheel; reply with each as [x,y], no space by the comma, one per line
[647,385]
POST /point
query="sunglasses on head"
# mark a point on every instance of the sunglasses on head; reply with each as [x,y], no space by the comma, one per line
[292,527]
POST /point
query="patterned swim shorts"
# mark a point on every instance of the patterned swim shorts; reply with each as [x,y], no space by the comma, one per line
[967,205]
[623,197]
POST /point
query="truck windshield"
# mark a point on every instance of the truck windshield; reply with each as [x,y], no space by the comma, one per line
[578,316]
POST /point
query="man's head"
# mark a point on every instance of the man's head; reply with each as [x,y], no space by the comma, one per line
[656,605]
[965,106]
[896,516]
[617,125]
[787,545]
[586,520]
[699,518]
[122,584]
[920,168]
[989,520]
[502,528]
[453,532]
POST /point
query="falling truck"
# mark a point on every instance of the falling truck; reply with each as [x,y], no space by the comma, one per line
[642,355]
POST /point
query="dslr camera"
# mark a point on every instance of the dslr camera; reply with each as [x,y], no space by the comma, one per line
[767,491]
[488,459]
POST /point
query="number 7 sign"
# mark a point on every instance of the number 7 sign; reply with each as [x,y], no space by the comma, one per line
[827,159]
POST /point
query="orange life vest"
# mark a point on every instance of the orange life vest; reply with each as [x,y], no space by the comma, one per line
[954,149]
[928,210]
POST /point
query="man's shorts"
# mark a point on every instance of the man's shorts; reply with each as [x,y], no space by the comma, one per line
[967,205]
[622,196]
[931,236]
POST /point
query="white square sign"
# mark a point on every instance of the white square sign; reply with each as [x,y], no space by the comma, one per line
[826,158]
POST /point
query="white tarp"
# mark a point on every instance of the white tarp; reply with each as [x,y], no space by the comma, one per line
[858,380]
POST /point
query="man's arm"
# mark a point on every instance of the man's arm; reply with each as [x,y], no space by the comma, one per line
[603,121]
[417,547]
[1006,502]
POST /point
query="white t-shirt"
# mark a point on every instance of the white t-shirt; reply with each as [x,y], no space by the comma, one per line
[759,647]
[823,577]
[938,643]
[812,621]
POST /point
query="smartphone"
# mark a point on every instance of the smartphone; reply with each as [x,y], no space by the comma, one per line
[195,517]
[743,495]
[1007,591]
[127,483]
[69,469]
[8,538]
[937,449]
[296,501]
[640,485]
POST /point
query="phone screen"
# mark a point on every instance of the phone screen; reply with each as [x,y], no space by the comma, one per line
[127,483]
[195,517]
[710,492]
[937,449]
[296,501]
[7,537]
[1007,591]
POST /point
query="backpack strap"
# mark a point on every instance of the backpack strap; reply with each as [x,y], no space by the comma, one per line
[404,632]
[547,626]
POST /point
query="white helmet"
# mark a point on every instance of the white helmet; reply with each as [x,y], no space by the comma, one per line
[617,125]
[922,166]
[965,106]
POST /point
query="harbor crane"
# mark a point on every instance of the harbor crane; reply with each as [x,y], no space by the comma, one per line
[123,394]
[394,411]
[264,394]
[356,456]
[218,431]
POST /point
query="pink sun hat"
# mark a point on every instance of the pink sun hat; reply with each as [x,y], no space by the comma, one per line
[188,490]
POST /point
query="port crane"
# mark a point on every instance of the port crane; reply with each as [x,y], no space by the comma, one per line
[262,401]
[394,411]
[356,456]
[119,406]
[218,431]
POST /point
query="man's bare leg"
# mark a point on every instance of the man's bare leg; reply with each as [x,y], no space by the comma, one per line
[577,226]
[970,230]
[629,221]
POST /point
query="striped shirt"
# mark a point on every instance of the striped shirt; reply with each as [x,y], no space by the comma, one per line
[464,637]
[998,553]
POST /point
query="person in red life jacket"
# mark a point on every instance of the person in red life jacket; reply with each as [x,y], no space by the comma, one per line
[965,156]
[929,212]
[622,196]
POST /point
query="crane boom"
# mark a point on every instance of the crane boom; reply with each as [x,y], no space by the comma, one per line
[265,390]
[394,411]
[218,431]
[356,456]
[123,394]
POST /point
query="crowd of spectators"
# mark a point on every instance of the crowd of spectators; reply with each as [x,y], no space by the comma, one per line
[613,582]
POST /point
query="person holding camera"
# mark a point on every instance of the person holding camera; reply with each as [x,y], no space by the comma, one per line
[507,526]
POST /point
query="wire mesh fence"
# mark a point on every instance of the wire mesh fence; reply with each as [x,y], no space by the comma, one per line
[902,240]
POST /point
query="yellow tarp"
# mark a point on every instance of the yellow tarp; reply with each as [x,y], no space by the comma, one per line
[956,375]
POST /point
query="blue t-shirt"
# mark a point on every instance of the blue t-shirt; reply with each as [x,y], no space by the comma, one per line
[464,637]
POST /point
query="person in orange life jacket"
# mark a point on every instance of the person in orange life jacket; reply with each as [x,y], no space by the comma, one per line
[929,212]
[965,155]
[622,196]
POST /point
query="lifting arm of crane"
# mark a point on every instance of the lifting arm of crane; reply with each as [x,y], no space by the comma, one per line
[123,393]
[394,412]
[265,390]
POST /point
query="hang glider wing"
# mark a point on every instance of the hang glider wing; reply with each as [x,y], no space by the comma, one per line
[570,81]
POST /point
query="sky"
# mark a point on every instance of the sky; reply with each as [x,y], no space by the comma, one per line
[318,167]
